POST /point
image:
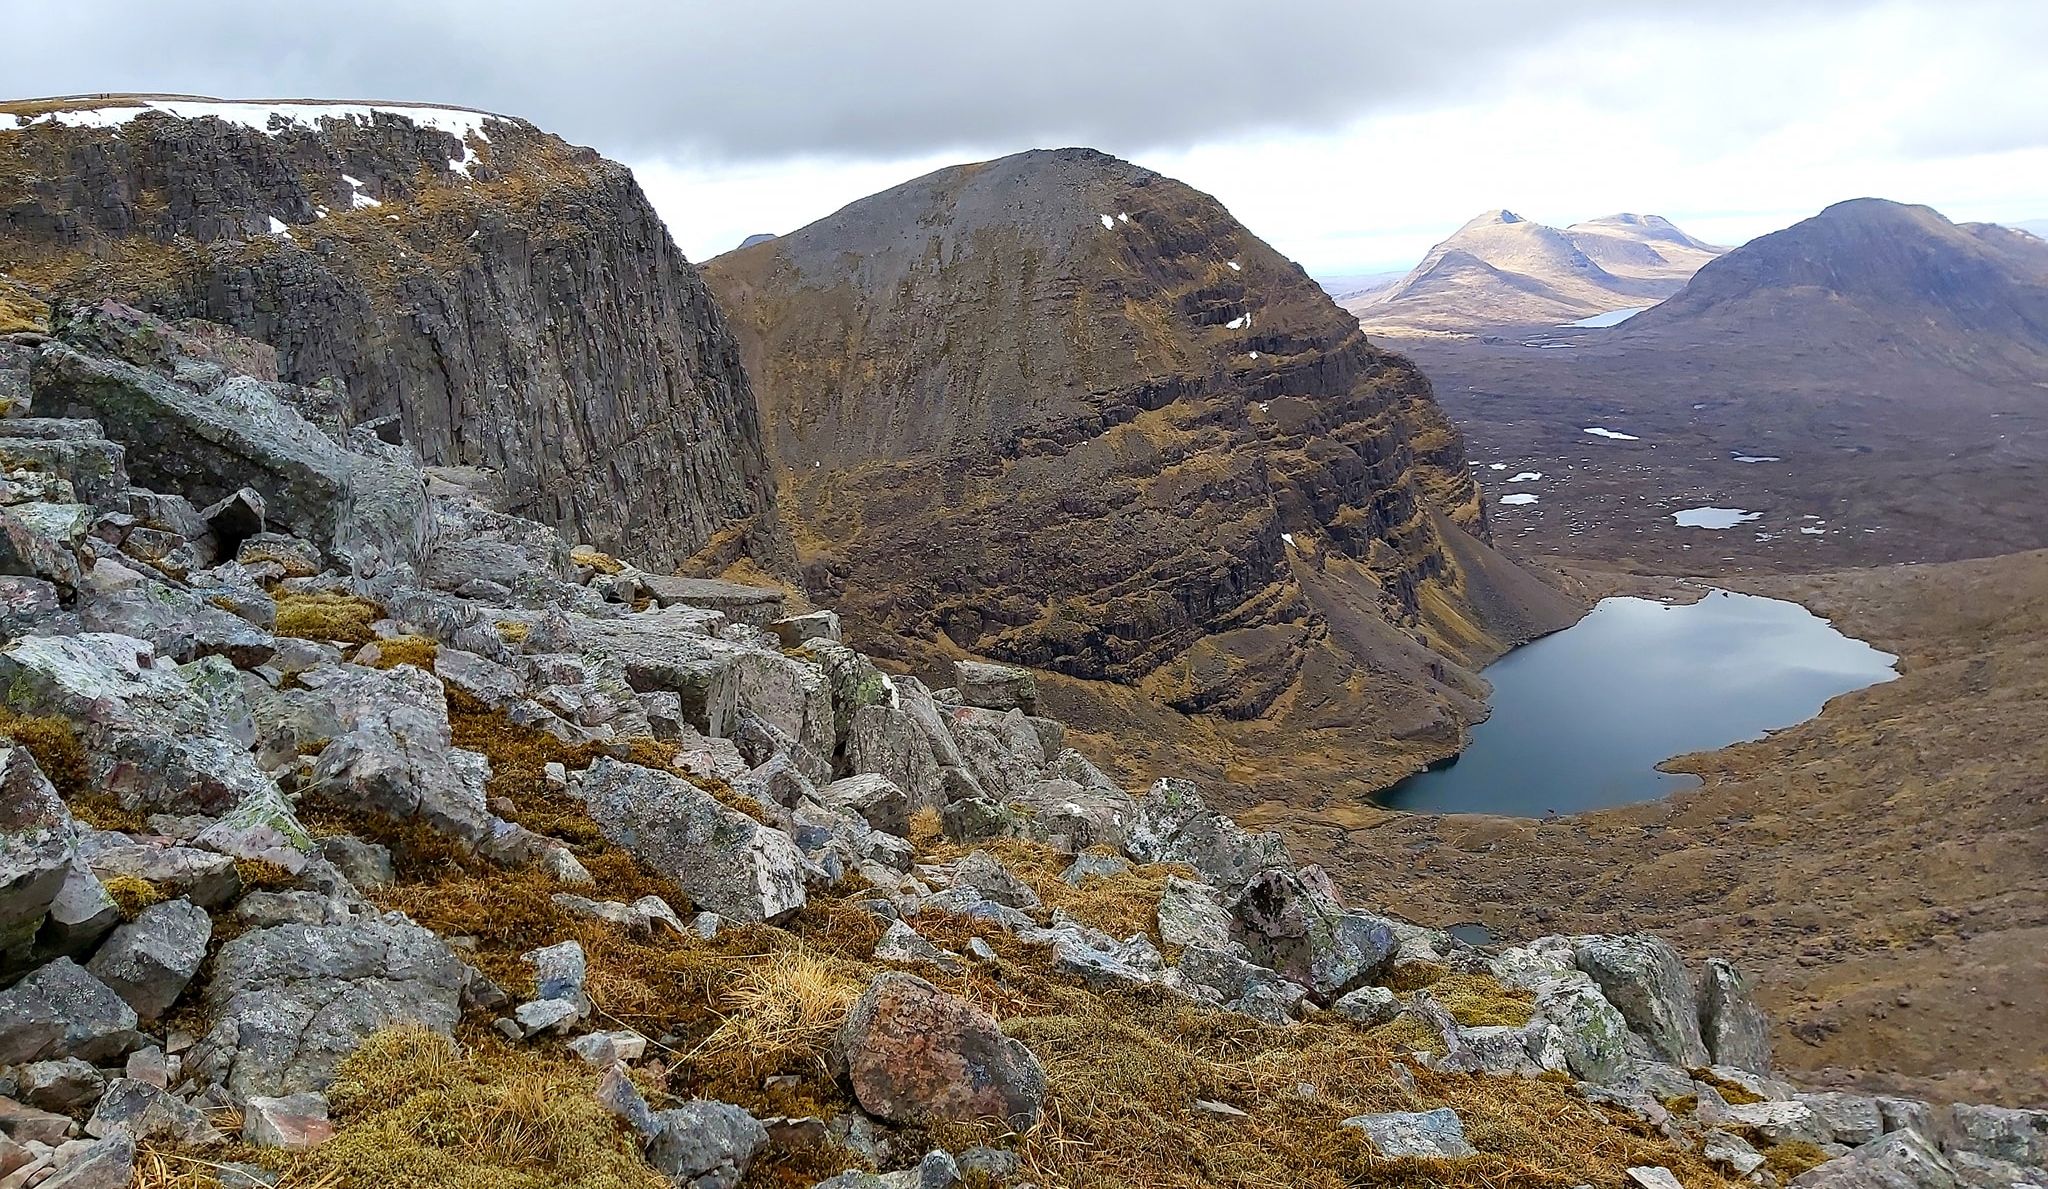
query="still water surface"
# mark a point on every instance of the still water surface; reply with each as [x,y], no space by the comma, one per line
[1581,718]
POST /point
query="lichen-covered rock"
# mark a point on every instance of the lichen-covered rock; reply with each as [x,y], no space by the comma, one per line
[1850,1119]
[1437,1134]
[150,1112]
[1368,1006]
[986,874]
[1230,982]
[916,1055]
[1174,825]
[179,624]
[873,799]
[1731,1025]
[150,960]
[36,847]
[996,687]
[1902,1160]
[106,1164]
[289,1002]
[207,434]
[1646,981]
[158,736]
[724,860]
[1293,922]
[60,1010]
[2004,1133]
[1592,1036]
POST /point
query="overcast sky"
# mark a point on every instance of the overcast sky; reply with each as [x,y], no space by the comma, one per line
[1351,134]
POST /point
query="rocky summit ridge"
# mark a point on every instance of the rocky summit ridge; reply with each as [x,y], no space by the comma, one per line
[353,832]
[460,281]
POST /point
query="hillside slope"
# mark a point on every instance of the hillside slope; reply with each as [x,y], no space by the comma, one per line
[1064,412]
[1501,269]
[485,292]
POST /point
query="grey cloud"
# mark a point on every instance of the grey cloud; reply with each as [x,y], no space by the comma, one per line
[764,79]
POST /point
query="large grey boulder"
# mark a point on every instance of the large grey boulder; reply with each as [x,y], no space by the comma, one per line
[289,1002]
[1174,825]
[72,454]
[1646,981]
[1293,922]
[1733,1028]
[986,874]
[872,798]
[1850,1119]
[698,1145]
[150,960]
[208,434]
[1592,1035]
[724,860]
[1002,751]
[996,687]
[36,848]
[149,1112]
[60,1010]
[157,735]
[1901,1160]
[1433,1135]
[2004,1133]
[1228,981]
[914,1054]
[755,605]
[179,624]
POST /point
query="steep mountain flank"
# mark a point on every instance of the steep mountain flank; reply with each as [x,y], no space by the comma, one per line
[1880,274]
[474,286]
[1059,410]
[1869,379]
[1501,269]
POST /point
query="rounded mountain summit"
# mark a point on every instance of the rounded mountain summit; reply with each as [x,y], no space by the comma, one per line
[1063,411]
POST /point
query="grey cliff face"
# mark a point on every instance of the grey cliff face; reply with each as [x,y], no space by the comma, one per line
[506,301]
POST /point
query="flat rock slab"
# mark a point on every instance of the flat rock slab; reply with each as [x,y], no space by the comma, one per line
[1437,1134]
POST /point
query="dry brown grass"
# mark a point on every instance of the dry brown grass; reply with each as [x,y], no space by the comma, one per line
[1120,904]
[414,1111]
[603,563]
[1733,1093]
[788,1003]
[327,616]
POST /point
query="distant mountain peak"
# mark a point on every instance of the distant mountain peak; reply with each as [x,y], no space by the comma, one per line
[1501,269]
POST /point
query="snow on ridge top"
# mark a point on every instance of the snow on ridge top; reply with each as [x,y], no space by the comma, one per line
[257,115]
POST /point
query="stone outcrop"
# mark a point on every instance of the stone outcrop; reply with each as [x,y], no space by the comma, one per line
[490,295]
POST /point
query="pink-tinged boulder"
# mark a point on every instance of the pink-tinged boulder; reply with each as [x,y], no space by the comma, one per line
[915,1054]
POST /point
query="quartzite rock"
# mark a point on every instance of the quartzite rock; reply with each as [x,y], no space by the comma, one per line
[725,861]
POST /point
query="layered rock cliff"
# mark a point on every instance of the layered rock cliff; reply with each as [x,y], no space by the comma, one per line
[1062,411]
[468,284]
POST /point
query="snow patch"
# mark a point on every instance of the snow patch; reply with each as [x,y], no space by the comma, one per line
[1603,432]
[1123,216]
[1239,322]
[1108,224]
[272,119]
[1520,497]
[1758,458]
[1236,267]
[1714,517]
[1496,466]
[1811,531]
[360,200]
[1289,538]
[1255,355]
[1526,477]
[280,227]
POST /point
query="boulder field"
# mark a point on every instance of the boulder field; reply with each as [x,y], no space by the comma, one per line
[352,829]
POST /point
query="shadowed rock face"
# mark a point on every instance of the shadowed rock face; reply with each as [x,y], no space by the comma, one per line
[1066,412]
[528,315]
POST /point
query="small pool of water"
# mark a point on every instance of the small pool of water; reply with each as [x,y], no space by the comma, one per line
[1472,934]
[1581,718]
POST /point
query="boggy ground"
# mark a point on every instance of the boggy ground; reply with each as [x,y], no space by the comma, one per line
[1882,868]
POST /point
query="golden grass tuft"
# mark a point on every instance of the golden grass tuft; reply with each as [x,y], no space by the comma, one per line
[132,894]
[511,631]
[1477,1001]
[927,830]
[20,311]
[1733,1093]
[327,616]
[1793,1157]
[1120,904]
[406,650]
[53,741]
[786,1004]
[602,562]
[416,1112]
